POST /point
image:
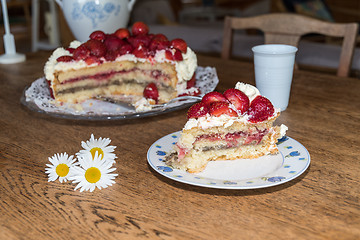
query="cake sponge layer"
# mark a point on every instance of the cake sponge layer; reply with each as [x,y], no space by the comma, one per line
[115,78]
[196,161]
[241,140]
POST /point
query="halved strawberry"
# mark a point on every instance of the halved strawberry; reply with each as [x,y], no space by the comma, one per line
[158,44]
[179,44]
[140,52]
[191,82]
[110,56]
[98,35]
[139,28]
[71,50]
[163,44]
[151,92]
[160,37]
[122,33]
[219,108]
[125,49]
[65,58]
[153,45]
[260,109]
[113,43]
[177,55]
[239,99]
[81,52]
[143,40]
[96,47]
[50,89]
[213,97]
[91,60]
[169,55]
[197,110]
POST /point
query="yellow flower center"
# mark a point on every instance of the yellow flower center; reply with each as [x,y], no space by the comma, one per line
[99,150]
[62,170]
[93,175]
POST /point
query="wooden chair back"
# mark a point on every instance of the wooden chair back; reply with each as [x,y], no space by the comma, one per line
[287,28]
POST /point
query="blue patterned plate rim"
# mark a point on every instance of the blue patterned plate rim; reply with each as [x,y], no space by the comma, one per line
[295,159]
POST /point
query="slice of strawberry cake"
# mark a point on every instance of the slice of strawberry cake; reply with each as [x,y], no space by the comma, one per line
[132,64]
[237,124]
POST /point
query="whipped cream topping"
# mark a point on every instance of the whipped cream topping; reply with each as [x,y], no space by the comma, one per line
[283,129]
[49,67]
[224,120]
[75,44]
[185,69]
[143,105]
[250,91]
[190,91]
[211,121]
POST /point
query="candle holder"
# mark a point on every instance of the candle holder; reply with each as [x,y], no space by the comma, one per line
[10,55]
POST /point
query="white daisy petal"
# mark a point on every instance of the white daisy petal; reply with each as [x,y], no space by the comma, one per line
[60,167]
[101,146]
[95,173]
[76,187]
[62,179]
[52,160]
[52,177]
[49,166]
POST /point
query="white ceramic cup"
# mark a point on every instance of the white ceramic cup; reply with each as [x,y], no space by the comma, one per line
[87,16]
[274,66]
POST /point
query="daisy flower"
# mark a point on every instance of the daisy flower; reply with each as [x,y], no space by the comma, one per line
[93,173]
[61,167]
[101,146]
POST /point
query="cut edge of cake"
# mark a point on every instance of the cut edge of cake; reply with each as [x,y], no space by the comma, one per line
[233,134]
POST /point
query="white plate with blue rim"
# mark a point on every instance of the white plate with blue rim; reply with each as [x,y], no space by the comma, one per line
[293,159]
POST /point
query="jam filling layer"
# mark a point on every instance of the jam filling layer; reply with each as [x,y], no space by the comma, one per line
[231,140]
[224,141]
[112,83]
[153,74]
[98,77]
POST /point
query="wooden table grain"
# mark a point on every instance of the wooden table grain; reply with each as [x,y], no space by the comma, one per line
[323,203]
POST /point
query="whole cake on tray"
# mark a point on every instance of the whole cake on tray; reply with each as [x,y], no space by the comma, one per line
[237,124]
[137,65]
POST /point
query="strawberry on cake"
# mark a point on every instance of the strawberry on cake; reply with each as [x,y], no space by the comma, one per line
[132,65]
[237,124]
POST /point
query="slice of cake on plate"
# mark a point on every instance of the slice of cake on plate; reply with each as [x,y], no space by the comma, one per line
[136,65]
[237,124]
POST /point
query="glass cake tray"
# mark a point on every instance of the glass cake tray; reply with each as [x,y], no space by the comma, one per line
[37,98]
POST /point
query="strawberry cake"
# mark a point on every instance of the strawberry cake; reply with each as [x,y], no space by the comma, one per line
[132,64]
[237,124]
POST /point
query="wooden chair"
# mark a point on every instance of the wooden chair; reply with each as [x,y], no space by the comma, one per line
[287,28]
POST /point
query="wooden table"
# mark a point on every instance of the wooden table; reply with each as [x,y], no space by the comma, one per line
[323,203]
